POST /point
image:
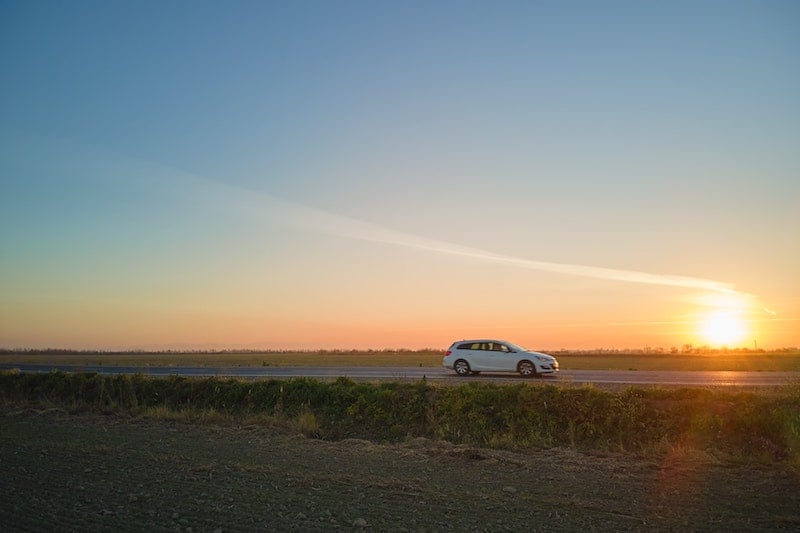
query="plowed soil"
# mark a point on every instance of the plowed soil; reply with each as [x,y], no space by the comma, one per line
[88,472]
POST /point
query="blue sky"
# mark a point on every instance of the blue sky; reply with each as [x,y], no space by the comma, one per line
[649,137]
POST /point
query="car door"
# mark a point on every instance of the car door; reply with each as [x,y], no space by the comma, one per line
[501,358]
[480,357]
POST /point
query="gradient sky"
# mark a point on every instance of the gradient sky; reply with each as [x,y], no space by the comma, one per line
[344,174]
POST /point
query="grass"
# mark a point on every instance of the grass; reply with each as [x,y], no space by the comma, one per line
[788,360]
[744,425]
[233,359]
[761,362]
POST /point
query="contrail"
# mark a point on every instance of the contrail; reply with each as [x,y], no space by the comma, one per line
[266,207]
[207,193]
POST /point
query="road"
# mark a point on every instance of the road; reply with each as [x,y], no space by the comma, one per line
[629,377]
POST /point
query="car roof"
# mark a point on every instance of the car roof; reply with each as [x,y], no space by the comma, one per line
[499,341]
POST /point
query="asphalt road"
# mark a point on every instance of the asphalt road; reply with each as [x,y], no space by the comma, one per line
[630,377]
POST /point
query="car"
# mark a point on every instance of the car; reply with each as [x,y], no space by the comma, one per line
[489,355]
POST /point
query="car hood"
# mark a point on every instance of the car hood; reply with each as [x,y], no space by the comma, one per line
[539,354]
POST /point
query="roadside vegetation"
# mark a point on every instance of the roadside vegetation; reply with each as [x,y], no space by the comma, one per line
[744,426]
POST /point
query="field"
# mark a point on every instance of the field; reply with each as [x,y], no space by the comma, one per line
[88,471]
[787,360]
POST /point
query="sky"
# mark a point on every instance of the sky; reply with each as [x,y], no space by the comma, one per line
[356,174]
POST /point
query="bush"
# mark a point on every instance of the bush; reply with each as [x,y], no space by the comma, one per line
[744,425]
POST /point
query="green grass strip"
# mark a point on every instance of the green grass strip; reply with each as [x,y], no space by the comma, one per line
[743,425]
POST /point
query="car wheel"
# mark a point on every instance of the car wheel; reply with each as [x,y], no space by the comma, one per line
[461,367]
[526,368]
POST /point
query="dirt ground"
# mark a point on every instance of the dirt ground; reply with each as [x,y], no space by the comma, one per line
[61,471]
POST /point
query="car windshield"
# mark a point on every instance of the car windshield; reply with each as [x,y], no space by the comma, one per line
[517,347]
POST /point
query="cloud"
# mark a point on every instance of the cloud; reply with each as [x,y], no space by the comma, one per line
[265,207]
[207,193]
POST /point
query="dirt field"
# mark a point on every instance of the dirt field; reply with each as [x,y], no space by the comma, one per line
[84,472]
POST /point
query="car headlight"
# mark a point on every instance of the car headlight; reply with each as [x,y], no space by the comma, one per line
[542,359]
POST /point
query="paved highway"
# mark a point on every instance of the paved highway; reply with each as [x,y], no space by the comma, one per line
[629,377]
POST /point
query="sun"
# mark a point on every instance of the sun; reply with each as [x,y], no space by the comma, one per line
[723,328]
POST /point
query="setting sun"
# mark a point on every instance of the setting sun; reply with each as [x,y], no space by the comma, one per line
[723,328]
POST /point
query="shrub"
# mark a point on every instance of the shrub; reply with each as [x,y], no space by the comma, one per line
[744,425]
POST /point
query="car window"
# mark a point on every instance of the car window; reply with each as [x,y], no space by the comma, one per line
[471,346]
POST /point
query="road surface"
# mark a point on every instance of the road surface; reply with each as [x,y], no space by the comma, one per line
[629,377]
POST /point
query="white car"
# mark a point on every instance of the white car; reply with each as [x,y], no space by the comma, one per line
[488,355]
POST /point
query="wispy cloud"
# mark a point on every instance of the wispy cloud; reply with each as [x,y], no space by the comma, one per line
[269,208]
[266,208]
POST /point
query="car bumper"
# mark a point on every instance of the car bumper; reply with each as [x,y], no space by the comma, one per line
[547,368]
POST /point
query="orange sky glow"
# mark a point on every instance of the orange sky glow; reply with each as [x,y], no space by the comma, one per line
[380,175]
